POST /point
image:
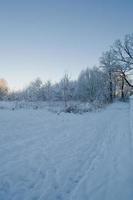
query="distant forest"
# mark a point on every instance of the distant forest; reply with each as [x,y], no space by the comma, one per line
[102,84]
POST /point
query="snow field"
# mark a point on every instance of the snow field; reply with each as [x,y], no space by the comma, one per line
[45,156]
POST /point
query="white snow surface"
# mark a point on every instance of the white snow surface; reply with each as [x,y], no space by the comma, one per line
[45,156]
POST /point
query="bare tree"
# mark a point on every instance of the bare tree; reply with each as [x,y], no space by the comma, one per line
[123,51]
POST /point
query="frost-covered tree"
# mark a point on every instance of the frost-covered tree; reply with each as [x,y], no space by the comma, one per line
[33,91]
[65,89]
[109,66]
[92,85]
[46,91]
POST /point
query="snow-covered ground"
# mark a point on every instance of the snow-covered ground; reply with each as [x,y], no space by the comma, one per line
[52,106]
[45,156]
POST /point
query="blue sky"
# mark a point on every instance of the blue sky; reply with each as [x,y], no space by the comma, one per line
[47,38]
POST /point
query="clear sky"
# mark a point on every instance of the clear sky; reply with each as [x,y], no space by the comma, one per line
[47,38]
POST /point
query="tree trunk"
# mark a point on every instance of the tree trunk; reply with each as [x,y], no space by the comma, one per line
[124,77]
[122,87]
[110,87]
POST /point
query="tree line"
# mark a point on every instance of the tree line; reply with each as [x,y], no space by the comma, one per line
[102,84]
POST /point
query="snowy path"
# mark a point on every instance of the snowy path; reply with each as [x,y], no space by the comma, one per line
[44,156]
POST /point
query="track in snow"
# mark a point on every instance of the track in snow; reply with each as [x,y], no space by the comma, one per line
[44,156]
